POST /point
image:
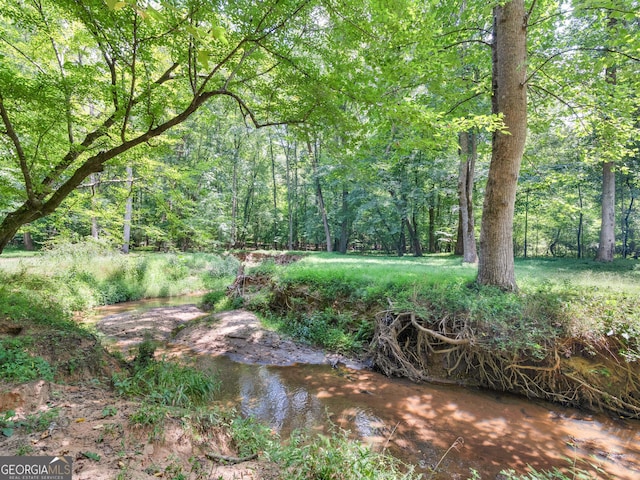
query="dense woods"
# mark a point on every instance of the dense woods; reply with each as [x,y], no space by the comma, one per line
[396,127]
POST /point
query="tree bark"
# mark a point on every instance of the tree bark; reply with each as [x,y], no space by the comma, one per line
[28,242]
[323,211]
[128,212]
[274,186]
[580,224]
[468,155]
[496,265]
[344,223]
[432,229]
[607,244]
[95,228]
[234,193]
[414,236]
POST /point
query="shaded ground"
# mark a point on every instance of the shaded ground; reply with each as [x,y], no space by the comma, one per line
[239,335]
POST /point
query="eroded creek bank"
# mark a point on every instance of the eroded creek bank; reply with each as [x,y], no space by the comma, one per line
[292,386]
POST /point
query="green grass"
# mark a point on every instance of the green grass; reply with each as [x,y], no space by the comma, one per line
[84,275]
[165,383]
[619,276]
[336,457]
[328,297]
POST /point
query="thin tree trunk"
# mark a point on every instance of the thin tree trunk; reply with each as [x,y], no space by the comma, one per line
[128,212]
[468,155]
[432,229]
[401,247]
[627,214]
[526,223]
[234,195]
[323,211]
[275,193]
[496,266]
[95,230]
[344,225]
[580,223]
[290,193]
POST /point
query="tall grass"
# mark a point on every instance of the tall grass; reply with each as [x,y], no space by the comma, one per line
[83,275]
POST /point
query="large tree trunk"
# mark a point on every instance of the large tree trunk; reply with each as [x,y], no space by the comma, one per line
[28,242]
[468,155]
[414,235]
[496,266]
[607,245]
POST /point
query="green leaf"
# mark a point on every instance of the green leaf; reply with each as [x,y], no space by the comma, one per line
[219,34]
[203,58]
[115,4]
[92,456]
[7,432]
[154,14]
[193,31]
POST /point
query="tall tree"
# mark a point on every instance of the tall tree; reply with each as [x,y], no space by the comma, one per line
[128,212]
[143,70]
[468,157]
[607,243]
[496,263]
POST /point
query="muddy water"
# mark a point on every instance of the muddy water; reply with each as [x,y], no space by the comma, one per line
[420,423]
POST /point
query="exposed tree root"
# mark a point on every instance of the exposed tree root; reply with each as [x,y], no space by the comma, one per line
[447,351]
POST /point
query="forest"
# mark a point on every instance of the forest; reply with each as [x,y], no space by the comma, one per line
[323,125]
[441,191]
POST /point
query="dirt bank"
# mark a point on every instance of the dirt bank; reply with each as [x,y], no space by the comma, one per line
[92,425]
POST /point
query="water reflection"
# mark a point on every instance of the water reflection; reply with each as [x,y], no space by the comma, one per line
[419,423]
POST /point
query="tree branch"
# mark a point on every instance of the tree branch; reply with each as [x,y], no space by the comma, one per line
[75,150]
[22,159]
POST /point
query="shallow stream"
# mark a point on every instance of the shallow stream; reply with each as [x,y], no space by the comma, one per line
[420,422]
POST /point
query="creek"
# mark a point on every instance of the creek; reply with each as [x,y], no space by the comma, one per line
[419,423]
